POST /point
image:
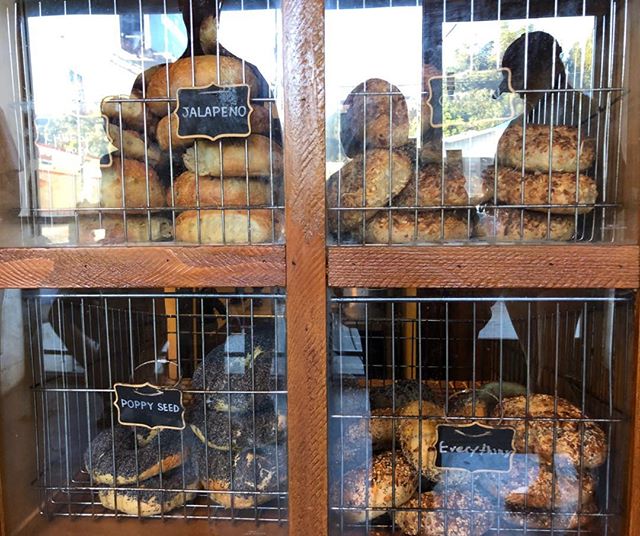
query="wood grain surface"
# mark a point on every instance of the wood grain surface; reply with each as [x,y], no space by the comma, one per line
[526,266]
[142,267]
[304,158]
[171,527]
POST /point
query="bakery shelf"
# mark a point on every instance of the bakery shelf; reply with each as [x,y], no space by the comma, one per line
[484,266]
[125,267]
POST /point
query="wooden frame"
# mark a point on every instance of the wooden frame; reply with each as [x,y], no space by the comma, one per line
[307,268]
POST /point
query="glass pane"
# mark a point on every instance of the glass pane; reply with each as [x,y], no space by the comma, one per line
[98,152]
[475,121]
[479,412]
[87,422]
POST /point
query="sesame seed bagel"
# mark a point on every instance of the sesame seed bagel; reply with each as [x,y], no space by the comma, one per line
[387,482]
[418,436]
[447,513]
[368,180]
[377,111]
[536,188]
[512,224]
[583,443]
[545,148]
[459,189]
[532,483]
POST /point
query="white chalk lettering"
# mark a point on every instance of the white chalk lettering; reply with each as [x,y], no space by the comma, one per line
[168,408]
[201,112]
[136,404]
[472,451]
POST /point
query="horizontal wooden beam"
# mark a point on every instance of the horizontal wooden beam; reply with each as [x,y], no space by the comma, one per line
[482,266]
[143,267]
[133,527]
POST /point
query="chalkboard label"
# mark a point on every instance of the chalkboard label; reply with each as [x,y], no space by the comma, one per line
[474,447]
[214,112]
[149,406]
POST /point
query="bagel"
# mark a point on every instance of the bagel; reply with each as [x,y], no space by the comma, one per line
[417,435]
[369,180]
[402,392]
[546,148]
[253,226]
[131,144]
[187,191]
[377,111]
[135,186]
[532,483]
[255,156]
[408,227]
[244,480]
[113,458]
[540,429]
[234,431]
[560,521]
[539,189]
[445,513]
[164,493]
[511,224]
[202,72]
[459,189]
[135,115]
[387,482]
[111,230]
[249,367]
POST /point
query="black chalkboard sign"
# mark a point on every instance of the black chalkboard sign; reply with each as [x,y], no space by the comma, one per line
[149,406]
[474,447]
[214,112]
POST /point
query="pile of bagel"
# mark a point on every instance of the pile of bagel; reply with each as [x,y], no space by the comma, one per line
[232,449]
[384,461]
[183,189]
[391,191]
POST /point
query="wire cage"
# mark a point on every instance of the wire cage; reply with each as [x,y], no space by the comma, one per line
[408,369]
[476,120]
[224,351]
[100,155]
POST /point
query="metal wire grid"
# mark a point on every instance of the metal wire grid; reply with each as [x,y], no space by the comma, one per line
[86,223]
[574,346]
[112,337]
[595,106]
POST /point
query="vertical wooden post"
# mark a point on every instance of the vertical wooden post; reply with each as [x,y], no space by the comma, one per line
[304,164]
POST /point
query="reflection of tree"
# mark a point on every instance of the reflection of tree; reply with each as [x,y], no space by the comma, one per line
[474,109]
[82,135]
[577,60]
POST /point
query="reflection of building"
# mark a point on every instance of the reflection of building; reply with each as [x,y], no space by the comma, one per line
[477,143]
[64,180]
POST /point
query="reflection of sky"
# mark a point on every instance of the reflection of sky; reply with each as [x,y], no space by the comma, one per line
[386,43]
[89,46]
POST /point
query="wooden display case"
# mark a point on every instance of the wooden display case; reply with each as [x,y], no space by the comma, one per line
[306,267]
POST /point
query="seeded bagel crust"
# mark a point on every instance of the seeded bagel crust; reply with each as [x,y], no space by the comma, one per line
[539,190]
[369,180]
[561,140]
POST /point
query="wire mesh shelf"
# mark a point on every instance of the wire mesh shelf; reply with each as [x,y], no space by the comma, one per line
[407,368]
[229,461]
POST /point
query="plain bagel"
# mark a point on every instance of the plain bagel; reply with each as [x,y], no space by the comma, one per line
[216,192]
[135,186]
[204,71]
[250,226]
[255,156]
